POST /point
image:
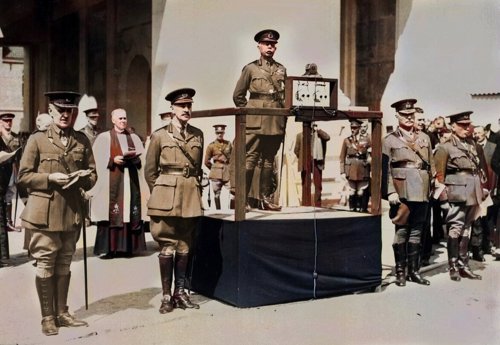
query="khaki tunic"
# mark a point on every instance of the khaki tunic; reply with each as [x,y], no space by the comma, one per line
[354,158]
[217,159]
[49,207]
[453,156]
[267,82]
[172,195]
[411,184]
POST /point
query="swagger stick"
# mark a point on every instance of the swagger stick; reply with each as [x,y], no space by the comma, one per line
[84,229]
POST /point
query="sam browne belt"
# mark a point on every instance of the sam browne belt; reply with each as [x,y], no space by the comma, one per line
[180,171]
[263,96]
[410,165]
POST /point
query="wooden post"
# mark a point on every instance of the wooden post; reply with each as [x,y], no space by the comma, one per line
[376,167]
[240,167]
[306,163]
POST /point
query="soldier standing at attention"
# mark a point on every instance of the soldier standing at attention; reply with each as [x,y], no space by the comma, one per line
[173,174]
[460,167]
[13,141]
[407,157]
[264,79]
[217,160]
[53,212]
[92,113]
[355,166]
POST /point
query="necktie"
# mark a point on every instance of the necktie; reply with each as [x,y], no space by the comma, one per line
[183,132]
[64,140]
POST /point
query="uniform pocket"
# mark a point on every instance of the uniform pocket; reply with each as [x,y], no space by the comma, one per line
[163,194]
[37,208]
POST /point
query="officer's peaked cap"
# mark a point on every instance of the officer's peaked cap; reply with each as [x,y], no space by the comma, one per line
[63,99]
[405,106]
[463,117]
[184,95]
[267,35]
[7,116]
[220,128]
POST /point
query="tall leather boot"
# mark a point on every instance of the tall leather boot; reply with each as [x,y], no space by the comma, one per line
[217,202]
[453,258]
[64,318]
[400,259]
[413,273]
[4,235]
[352,202]
[45,290]
[166,268]
[248,180]
[181,298]
[266,191]
[463,261]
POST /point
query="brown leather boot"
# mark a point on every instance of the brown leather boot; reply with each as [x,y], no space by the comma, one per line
[181,298]
[463,262]
[64,318]
[400,258]
[453,259]
[413,273]
[45,290]
[166,267]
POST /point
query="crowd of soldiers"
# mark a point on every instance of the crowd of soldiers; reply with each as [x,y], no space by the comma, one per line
[449,169]
[56,175]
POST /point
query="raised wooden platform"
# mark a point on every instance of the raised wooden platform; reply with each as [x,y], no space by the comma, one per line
[297,254]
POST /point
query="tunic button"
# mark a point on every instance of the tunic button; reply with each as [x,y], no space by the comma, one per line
[65,153]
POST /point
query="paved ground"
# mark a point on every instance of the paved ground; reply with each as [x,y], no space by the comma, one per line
[125,294]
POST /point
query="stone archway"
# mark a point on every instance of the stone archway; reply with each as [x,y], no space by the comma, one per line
[138,96]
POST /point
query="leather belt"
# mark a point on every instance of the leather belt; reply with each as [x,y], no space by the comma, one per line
[263,96]
[180,171]
[461,171]
[359,156]
[409,165]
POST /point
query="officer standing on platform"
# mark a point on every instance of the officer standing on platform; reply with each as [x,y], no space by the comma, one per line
[407,159]
[173,174]
[217,160]
[459,167]
[265,80]
[355,166]
[53,212]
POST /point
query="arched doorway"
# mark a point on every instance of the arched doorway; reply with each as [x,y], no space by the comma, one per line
[138,91]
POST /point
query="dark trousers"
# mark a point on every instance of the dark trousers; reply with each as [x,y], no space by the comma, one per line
[317,180]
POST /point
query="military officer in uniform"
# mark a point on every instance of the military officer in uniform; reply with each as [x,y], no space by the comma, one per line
[92,113]
[355,165]
[408,163]
[173,173]
[12,141]
[217,160]
[53,213]
[460,167]
[6,170]
[264,79]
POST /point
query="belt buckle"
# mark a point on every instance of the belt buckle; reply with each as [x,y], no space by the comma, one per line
[185,171]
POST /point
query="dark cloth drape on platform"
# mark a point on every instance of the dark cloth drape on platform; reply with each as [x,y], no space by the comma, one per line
[259,262]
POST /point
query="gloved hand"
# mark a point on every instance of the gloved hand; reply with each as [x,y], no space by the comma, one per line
[393,198]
